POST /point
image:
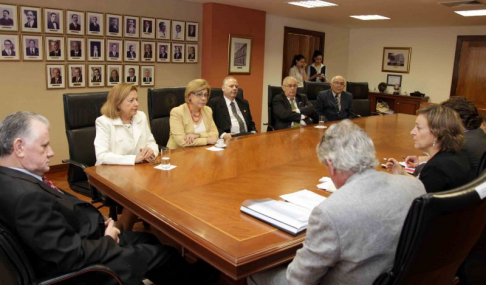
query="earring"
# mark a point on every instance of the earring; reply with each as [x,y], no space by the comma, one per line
[433,144]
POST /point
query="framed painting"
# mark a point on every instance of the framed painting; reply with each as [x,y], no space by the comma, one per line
[396,59]
[239,54]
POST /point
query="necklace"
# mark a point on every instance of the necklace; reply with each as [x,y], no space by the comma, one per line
[195,117]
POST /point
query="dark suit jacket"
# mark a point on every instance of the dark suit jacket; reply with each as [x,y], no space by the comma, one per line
[116,54]
[149,30]
[116,79]
[113,29]
[53,80]
[129,55]
[50,25]
[34,26]
[475,146]
[74,28]
[147,54]
[73,80]
[326,105]
[79,53]
[145,79]
[163,55]
[36,51]
[96,80]
[191,56]
[283,116]
[53,54]
[4,53]
[7,22]
[134,79]
[178,55]
[94,28]
[221,114]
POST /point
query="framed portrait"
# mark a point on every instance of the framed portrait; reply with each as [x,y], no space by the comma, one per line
[131,27]
[163,52]
[239,57]
[96,49]
[74,22]
[33,49]
[192,31]
[114,74]
[192,53]
[114,50]
[53,21]
[94,24]
[9,20]
[178,30]
[394,79]
[396,59]
[131,74]
[148,75]
[132,50]
[163,29]
[96,73]
[55,78]
[114,25]
[147,28]
[54,47]
[178,52]
[148,51]
[76,76]
[10,46]
[31,19]
[76,49]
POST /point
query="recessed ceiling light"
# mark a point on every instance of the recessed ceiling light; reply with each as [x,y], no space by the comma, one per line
[370,17]
[472,13]
[312,3]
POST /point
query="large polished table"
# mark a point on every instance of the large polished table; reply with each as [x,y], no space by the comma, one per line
[198,203]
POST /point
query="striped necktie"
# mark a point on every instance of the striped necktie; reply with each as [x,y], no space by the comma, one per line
[292,104]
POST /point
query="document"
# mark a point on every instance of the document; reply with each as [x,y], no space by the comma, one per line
[304,198]
[327,184]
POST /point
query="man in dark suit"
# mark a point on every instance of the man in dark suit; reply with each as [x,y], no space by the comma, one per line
[96,75]
[113,26]
[57,78]
[75,50]
[335,103]
[114,51]
[177,53]
[31,50]
[131,75]
[163,52]
[147,78]
[94,26]
[53,24]
[148,51]
[75,26]
[31,20]
[147,27]
[61,233]
[77,78]
[231,114]
[55,51]
[8,48]
[6,21]
[289,108]
[131,52]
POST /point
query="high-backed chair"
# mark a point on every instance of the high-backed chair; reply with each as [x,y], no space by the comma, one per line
[273,91]
[481,165]
[218,92]
[439,232]
[358,89]
[15,268]
[311,89]
[362,107]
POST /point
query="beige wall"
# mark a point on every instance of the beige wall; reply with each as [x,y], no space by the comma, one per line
[432,62]
[335,56]
[24,87]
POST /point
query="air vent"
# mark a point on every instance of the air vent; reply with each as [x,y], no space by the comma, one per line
[453,4]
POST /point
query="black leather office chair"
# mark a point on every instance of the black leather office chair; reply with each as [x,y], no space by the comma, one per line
[481,165]
[438,233]
[358,89]
[15,268]
[272,92]
[311,89]
[218,92]
[362,107]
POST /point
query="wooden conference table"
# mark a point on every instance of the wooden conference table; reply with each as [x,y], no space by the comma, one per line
[198,203]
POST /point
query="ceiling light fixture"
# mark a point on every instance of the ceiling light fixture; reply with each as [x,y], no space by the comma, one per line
[312,3]
[472,13]
[370,17]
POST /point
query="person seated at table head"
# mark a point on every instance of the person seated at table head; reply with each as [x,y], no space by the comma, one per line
[353,234]
[297,69]
[289,108]
[231,113]
[192,124]
[439,132]
[335,103]
[483,124]
[317,70]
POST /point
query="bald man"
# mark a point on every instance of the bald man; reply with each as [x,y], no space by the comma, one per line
[335,103]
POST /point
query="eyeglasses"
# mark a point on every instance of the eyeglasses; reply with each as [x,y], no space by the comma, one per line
[200,94]
[338,83]
[291,85]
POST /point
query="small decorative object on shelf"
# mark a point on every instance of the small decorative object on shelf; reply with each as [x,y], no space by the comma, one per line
[397,90]
[382,87]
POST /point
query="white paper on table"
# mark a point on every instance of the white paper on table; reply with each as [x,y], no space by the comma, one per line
[213,148]
[304,198]
[320,127]
[163,167]
[326,184]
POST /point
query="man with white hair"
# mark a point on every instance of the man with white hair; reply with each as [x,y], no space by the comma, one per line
[352,236]
[335,103]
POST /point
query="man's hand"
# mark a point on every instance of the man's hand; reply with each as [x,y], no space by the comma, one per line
[111,230]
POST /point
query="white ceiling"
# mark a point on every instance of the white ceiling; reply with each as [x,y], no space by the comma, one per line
[403,13]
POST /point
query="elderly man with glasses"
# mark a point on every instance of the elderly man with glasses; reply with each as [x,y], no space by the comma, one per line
[335,103]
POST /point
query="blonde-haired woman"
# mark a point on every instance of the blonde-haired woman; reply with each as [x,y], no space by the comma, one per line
[192,124]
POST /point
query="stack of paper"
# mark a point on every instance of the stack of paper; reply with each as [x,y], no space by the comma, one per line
[326,184]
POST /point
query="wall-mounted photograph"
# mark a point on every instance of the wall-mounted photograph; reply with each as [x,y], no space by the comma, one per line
[163,29]
[96,74]
[393,79]
[239,58]
[96,49]
[32,47]
[191,53]
[178,30]
[178,52]
[132,50]
[163,52]
[74,22]
[147,28]
[114,74]
[76,76]
[396,59]
[31,18]
[131,74]
[54,47]
[55,76]
[192,31]
[131,27]
[53,21]
[114,50]
[10,46]
[148,49]
[95,24]
[8,20]
[114,25]
[76,48]
[148,75]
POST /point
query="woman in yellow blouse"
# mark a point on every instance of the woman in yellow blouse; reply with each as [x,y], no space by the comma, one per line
[191,124]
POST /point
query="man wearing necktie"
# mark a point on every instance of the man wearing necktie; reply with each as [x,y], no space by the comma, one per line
[75,50]
[335,103]
[31,22]
[290,109]
[96,75]
[131,53]
[8,48]
[231,113]
[31,49]
[77,78]
[147,78]
[95,51]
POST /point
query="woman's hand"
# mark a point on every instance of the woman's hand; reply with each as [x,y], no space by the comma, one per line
[394,167]
[412,161]
[147,154]
[190,138]
[212,140]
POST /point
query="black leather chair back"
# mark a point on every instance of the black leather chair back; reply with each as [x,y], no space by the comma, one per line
[273,91]
[362,107]
[358,89]
[438,233]
[15,268]
[311,89]
[481,165]
[218,92]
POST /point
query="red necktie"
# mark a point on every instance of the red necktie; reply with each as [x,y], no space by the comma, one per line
[49,183]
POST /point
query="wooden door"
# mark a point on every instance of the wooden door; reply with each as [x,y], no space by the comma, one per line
[299,41]
[469,77]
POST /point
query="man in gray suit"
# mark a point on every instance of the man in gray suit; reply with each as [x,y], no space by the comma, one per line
[335,103]
[352,236]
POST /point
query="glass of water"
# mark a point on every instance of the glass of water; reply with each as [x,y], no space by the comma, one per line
[322,120]
[165,157]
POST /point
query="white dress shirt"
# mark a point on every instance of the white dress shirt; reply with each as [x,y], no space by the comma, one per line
[297,110]
[235,127]
[200,127]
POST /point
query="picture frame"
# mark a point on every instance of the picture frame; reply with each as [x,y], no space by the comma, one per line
[76,49]
[192,31]
[33,48]
[178,30]
[114,25]
[76,75]
[131,74]
[95,24]
[163,52]
[96,49]
[394,79]
[53,21]
[147,51]
[163,29]
[148,75]
[9,19]
[147,28]
[396,59]
[192,53]
[31,19]
[114,74]
[239,54]
[75,22]
[10,47]
[114,50]
[55,78]
[131,24]
[96,75]
[132,50]
[178,51]
[54,48]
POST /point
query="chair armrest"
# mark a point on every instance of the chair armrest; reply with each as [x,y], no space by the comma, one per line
[269,127]
[76,163]
[110,275]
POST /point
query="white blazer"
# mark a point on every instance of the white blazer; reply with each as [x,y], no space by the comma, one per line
[116,143]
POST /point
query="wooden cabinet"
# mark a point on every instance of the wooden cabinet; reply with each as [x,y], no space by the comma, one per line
[398,103]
